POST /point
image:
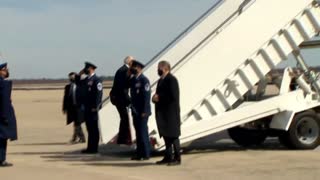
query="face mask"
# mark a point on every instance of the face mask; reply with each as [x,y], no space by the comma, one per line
[133,71]
[7,74]
[86,71]
[160,72]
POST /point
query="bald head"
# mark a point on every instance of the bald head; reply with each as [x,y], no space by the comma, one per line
[128,60]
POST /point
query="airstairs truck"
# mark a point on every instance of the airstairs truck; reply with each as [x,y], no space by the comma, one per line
[230,49]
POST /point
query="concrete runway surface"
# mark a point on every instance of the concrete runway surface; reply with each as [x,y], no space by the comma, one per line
[43,152]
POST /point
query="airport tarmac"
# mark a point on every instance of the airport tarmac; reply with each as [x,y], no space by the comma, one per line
[43,152]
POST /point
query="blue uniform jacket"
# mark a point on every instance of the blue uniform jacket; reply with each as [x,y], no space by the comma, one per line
[94,93]
[140,95]
[8,124]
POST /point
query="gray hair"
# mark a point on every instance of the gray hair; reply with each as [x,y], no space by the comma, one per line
[165,64]
[128,59]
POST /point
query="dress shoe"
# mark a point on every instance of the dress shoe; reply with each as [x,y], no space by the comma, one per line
[88,152]
[73,141]
[5,164]
[175,163]
[136,158]
[163,162]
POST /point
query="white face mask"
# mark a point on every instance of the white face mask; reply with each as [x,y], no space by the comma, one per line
[83,76]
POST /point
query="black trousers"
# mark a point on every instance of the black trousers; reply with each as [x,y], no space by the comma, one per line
[142,136]
[93,131]
[3,149]
[172,148]
[124,136]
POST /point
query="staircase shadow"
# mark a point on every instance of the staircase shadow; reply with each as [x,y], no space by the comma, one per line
[222,143]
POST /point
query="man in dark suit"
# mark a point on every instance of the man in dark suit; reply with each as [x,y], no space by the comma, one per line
[141,110]
[72,107]
[119,96]
[8,124]
[167,101]
[93,91]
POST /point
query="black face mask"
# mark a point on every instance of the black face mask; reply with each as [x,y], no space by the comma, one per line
[86,71]
[133,71]
[72,80]
[160,72]
[7,75]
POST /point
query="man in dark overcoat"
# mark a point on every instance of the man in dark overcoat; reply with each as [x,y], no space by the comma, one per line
[73,109]
[119,97]
[8,124]
[167,102]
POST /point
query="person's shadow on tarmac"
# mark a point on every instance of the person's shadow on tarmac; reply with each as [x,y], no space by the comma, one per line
[119,156]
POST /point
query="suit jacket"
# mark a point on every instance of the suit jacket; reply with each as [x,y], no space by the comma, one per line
[168,107]
[120,91]
[8,123]
[73,109]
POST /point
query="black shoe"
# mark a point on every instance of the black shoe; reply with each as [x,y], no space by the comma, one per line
[73,141]
[5,164]
[163,162]
[175,163]
[82,141]
[136,158]
[88,152]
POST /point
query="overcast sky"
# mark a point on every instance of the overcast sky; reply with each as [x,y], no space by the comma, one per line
[49,38]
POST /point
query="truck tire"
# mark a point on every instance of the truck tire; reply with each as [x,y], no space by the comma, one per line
[247,137]
[304,132]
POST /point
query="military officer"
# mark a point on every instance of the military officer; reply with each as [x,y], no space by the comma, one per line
[8,125]
[93,91]
[141,110]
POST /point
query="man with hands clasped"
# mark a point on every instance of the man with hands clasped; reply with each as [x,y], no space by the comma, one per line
[167,102]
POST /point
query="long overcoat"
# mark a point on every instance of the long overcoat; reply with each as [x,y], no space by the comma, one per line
[8,123]
[168,107]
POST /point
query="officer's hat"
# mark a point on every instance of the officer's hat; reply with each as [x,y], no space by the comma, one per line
[136,63]
[90,65]
[4,65]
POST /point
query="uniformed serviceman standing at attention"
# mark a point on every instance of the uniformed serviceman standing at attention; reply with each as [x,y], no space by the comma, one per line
[93,91]
[8,124]
[141,110]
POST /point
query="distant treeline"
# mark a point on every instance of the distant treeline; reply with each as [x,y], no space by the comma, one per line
[275,72]
[52,81]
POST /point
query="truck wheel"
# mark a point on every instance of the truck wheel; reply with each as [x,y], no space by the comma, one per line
[247,137]
[304,132]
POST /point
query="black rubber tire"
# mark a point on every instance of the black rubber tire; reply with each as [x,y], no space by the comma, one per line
[304,132]
[247,137]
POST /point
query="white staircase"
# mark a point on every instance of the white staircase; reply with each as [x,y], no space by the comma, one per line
[216,70]
[302,28]
[219,16]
